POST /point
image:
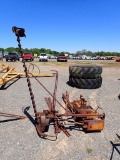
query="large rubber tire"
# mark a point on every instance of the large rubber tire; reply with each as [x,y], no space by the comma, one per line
[87,72]
[85,83]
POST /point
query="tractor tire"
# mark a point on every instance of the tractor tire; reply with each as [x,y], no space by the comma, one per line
[87,72]
[85,83]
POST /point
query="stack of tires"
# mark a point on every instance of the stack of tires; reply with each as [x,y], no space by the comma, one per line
[85,77]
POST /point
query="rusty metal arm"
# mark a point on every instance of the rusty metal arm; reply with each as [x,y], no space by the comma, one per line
[12,115]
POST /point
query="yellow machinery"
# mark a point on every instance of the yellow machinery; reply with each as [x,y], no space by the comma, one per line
[9,73]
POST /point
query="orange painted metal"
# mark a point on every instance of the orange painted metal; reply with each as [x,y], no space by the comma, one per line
[95,125]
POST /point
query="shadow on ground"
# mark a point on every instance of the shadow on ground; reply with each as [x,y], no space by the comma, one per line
[4,87]
[115,147]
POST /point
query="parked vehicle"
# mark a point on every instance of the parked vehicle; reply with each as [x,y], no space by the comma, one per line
[117,59]
[12,56]
[53,57]
[43,57]
[62,57]
[27,56]
[4,54]
[1,56]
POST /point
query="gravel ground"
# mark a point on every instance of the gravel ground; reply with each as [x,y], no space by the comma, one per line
[18,138]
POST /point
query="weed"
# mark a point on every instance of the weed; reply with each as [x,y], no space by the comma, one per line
[89,150]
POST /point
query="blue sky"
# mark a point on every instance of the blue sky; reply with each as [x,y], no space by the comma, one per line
[62,25]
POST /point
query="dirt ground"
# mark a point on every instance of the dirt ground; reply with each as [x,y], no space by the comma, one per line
[19,139]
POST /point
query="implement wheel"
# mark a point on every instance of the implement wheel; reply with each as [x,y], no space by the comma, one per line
[43,122]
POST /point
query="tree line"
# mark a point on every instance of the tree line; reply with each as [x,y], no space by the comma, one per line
[32,50]
[55,53]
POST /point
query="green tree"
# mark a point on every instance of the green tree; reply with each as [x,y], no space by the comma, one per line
[10,49]
[42,50]
[2,49]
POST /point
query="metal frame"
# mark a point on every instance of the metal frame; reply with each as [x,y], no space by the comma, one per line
[12,73]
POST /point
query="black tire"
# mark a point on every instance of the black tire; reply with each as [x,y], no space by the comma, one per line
[6,60]
[86,72]
[85,83]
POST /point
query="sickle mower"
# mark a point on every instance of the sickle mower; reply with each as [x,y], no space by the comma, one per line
[77,112]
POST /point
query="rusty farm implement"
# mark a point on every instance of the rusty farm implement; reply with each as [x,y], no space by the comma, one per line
[77,112]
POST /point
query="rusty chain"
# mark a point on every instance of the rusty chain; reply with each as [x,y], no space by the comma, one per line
[20,32]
